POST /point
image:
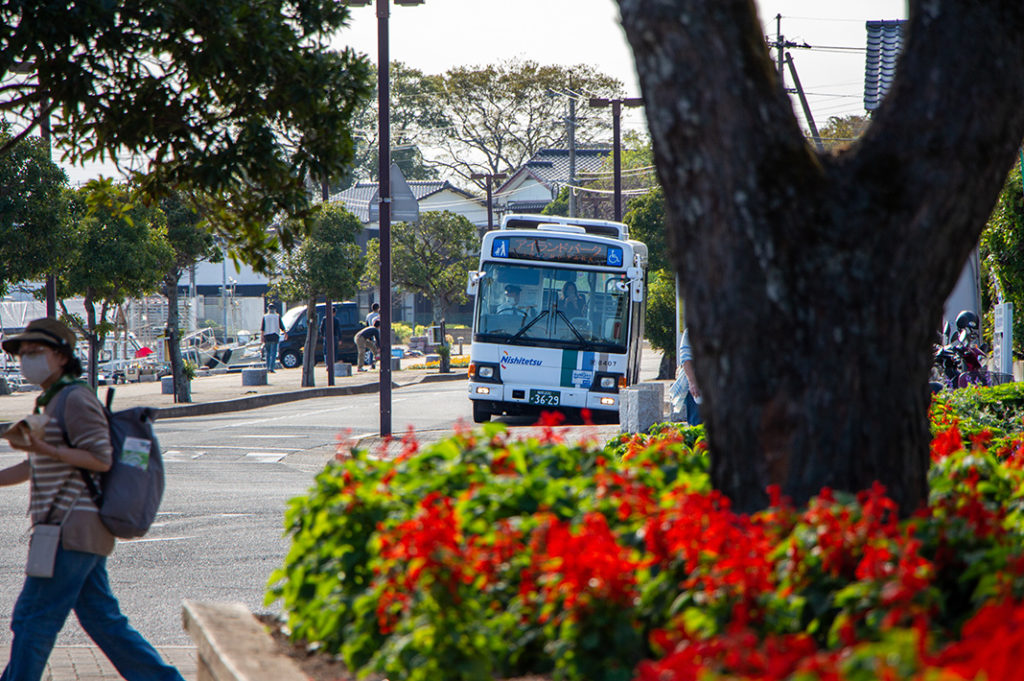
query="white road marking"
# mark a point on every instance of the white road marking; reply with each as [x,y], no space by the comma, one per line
[264,456]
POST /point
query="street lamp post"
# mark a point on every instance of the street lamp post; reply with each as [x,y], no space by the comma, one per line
[616,105]
[489,178]
[44,133]
[384,192]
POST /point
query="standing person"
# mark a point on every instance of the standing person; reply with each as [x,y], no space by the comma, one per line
[367,339]
[273,331]
[56,462]
[374,314]
[693,396]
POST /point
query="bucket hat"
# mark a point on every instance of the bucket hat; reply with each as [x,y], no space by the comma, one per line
[47,330]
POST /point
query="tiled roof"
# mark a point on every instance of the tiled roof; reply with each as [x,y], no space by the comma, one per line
[885,41]
[552,165]
[359,197]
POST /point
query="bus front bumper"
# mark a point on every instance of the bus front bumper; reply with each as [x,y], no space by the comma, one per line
[522,398]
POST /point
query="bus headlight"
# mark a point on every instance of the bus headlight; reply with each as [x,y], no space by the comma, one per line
[607,382]
[608,401]
[483,390]
[486,372]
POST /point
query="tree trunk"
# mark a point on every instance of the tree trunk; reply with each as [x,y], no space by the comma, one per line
[814,284]
[182,385]
[444,350]
[90,325]
[309,350]
[667,367]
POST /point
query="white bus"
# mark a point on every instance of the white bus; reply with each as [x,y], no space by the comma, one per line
[558,316]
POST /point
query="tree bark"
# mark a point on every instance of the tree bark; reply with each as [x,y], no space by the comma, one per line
[182,385]
[814,284]
[309,349]
[667,366]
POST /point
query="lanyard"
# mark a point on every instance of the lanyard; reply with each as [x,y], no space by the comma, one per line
[44,399]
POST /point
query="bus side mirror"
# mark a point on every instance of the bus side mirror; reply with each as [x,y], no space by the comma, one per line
[473,283]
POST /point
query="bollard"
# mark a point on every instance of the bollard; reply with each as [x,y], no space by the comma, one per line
[342,369]
[640,407]
[254,377]
[167,385]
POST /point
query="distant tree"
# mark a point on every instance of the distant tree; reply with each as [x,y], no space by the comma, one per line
[559,205]
[120,250]
[233,103]
[327,262]
[414,113]
[34,229]
[497,116]
[431,258]
[1002,253]
[189,243]
[841,131]
[646,220]
[814,283]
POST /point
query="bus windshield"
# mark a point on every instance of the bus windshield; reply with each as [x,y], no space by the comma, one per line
[552,307]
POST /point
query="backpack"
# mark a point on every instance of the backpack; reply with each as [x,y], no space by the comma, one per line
[130,492]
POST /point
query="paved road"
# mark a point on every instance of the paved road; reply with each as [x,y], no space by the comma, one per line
[229,476]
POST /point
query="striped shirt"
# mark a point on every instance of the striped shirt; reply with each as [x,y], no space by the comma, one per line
[55,485]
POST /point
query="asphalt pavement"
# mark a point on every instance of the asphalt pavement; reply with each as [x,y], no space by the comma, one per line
[211,394]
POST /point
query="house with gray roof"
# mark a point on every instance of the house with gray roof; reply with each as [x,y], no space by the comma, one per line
[537,182]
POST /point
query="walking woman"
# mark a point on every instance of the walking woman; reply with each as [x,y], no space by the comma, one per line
[58,497]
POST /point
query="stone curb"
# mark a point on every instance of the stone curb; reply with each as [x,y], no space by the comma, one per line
[232,645]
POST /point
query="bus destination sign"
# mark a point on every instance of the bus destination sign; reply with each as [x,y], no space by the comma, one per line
[571,251]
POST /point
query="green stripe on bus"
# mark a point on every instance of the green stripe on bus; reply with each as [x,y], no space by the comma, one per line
[569,359]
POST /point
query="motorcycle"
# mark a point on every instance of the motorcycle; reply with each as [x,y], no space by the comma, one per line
[959,361]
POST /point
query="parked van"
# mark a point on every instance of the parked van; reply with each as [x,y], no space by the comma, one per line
[346,316]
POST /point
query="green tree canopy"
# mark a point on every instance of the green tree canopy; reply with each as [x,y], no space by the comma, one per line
[327,262]
[232,102]
[497,116]
[1002,252]
[120,250]
[430,257]
[839,132]
[34,229]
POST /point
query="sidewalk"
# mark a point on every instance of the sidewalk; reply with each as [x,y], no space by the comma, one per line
[219,393]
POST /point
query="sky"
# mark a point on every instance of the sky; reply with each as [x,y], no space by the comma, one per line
[441,34]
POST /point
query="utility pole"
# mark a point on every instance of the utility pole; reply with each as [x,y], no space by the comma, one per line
[571,123]
[784,58]
[616,105]
[488,179]
[329,340]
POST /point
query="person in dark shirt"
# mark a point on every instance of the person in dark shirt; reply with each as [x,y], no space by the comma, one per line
[367,340]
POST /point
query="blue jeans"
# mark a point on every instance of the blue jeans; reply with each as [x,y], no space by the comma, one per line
[692,410]
[79,583]
[271,348]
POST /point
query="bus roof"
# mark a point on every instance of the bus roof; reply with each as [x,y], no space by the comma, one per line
[615,230]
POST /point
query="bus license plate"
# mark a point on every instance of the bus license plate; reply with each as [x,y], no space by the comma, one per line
[547,398]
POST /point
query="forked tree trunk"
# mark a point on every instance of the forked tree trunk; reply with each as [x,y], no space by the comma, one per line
[814,284]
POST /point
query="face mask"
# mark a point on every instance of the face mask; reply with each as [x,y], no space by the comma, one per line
[36,368]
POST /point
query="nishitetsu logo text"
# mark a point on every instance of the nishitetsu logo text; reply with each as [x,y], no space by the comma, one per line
[508,360]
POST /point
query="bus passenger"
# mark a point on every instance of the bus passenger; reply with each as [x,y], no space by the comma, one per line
[572,303]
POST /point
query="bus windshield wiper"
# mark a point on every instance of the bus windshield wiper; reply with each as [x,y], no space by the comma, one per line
[530,325]
[571,327]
